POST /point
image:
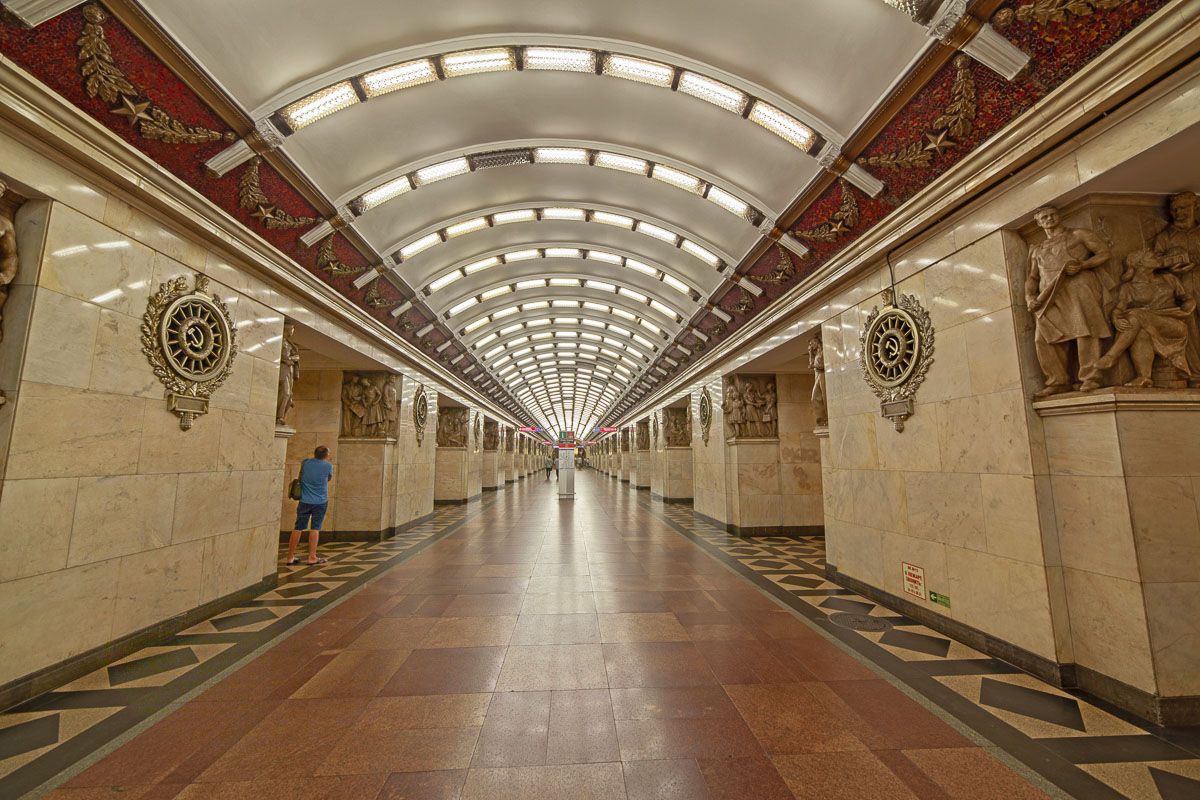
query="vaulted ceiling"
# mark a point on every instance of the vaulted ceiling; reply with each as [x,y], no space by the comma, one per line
[566,205]
[566,183]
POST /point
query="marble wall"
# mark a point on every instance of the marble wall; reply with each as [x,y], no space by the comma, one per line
[709,476]
[801,502]
[112,519]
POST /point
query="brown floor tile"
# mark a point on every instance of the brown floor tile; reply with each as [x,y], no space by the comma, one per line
[969,773]
[656,664]
[559,584]
[787,718]
[353,673]
[900,723]
[559,603]
[630,602]
[569,568]
[748,662]
[685,702]
[575,781]
[841,776]
[649,739]
[337,787]
[515,731]
[415,712]
[824,660]
[469,632]
[289,742]
[917,781]
[448,671]
[158,791]
[441,785]
[742,778]
[392,633]
[557,666]
[714,626]
[650,627]
[484,605]
[420,605]
[675,779]
[582,729]
[401,750]
[556,629]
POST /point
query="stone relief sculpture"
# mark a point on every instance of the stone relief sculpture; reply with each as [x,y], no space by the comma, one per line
[1178,245]
[625,440]
[289,373]
[453,425]
[643,434]
[1070,300]
[8,248]
[491,435]
[654,432]
[370,405]
[1151,317]
[677,427]
[477,433]
[509,440]
[816,360]
[750,406]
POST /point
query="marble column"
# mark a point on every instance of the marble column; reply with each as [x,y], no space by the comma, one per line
[491,470]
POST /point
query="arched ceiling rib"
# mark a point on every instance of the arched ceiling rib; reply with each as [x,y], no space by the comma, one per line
[594,321]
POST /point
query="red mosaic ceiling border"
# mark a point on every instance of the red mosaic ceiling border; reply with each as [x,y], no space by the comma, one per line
[960,107]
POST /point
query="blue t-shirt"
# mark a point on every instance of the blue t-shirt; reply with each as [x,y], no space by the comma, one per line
[314,480]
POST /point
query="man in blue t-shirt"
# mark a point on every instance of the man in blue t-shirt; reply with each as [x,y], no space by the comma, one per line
[315,475]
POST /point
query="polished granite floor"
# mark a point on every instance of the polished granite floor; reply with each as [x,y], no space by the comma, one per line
[609,647]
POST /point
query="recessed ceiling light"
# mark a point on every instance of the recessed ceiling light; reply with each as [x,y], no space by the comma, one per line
[424,243]
[662,234]
[676,177]
[445,280]
[638,69]
[650,326]
[463,306]
[663,308]
[676,284]
[575,214]
[399,76]
[707,256]
[622,163]
[785,126]
[600,286]
[505,312]
[536,283]
[520,255]
[439,172]
[607,258]
[476,325]
[482,264]
[466,226]
[563,252]
[319,105]
[609,218]
[728,202]
[643,268]
[520,215]
[473,62]
[560,155]
[627,292]
[564,281]
[715,92]
[567,59]
[491,294]
[381,194]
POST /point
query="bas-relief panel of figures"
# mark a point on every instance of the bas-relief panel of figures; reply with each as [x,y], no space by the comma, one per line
[370,405]
[1114,293]
[750,407]
[677,427]
[625,440]
[453,426]
[491,435]
[643,435]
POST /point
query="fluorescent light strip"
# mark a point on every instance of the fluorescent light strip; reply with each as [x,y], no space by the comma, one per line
[441,171]
[638,70]
[319,105]
[785,126]
[719,94]
[564,59]
[399,76]
[473,62]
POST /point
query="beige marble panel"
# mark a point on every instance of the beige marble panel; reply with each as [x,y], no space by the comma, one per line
[233,561]
[245,440]
[991,353]
[1006,598]
[90,261]
[165,448]
[79,601]
[873,499]
[853,442]
[945,507]
[62,335]
[950,375]
[917,448]
[968,284]
[206,504]
[1166,529]
[1011,519]
[1142,443]
[1173,611]
[985,433]
[1094,532]
[35,526]
[118,364]
[855,550]
[157,584]
[116,515]
[1083,444]
[1109,628]
[259,502]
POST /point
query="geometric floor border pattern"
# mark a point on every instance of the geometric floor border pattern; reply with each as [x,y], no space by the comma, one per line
[44,736]
[1084,746]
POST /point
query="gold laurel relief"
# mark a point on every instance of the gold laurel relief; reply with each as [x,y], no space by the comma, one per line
[104,79]
[252,198]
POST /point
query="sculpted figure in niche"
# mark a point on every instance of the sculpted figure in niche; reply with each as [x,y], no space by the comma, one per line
[1069,299]
[677,427]
[750,406]
[8,250]
[491,435]
[391,405]
[353,410]
[452,427]
[1151,318]
[643,435]
[1179,248]
[816,360]
[289,373]
[370,405]
[733,407]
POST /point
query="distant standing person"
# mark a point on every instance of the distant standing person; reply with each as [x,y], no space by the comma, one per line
[549,466]
[315,475]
